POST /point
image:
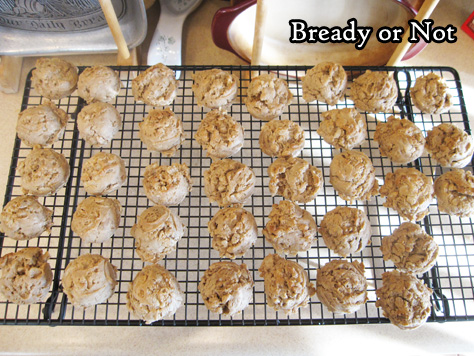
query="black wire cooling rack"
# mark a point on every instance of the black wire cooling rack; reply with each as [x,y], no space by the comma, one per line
[451,278]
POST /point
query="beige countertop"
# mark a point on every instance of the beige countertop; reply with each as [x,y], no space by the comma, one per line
[447,338]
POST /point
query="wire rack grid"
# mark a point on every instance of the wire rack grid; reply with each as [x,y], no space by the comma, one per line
[450,279]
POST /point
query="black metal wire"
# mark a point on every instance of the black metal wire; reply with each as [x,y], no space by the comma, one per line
[450,279]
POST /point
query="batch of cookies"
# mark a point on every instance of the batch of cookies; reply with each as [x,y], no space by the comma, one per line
[227,287]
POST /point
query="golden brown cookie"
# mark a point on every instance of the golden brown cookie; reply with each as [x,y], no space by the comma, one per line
[290,229]
[154,294]
[352,175]
[410,248]
[345,230]
[409,192]
[400,140]
[226,288]
[454,191]
[374,92]
[341,286]
[156,233]
[228,182]
[343,128]
[287,285]
[233,231]
[450,146]
[267,97]
[325,82]
[404,299]
[294,179]
[431,94]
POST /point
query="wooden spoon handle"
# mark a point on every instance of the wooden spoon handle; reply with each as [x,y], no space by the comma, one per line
[10,73]
[425,12]
[260,19]
[114,26]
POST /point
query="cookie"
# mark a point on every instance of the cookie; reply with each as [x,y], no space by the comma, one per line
[228,182]
[233,231]
[103,173]
[374,92]
[431,94]
[26,276]
[287,285]
[290,229]
[342,286]
[325,82]
[154,294]
[450,146]
[404,299]
[89,280]
[281,138]
[352,175]
[294,179]
[343,128]
[400,140]
[161,131]
[215,88]
[43,172]
[96,219]
[41,125]
[156,233]
[345,230]
[24,218]
[98,83]
[267,97]
[54,78]
[98,123]
[410,249]
[409,192]
[220,135]
[156,86]
[454,192]
[226,288]
[167,185]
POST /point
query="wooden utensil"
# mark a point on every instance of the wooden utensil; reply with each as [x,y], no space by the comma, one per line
[124,55]
[425,12]
[259,32]
[10,73]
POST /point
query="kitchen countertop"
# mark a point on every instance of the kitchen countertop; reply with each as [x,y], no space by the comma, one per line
[447,338]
